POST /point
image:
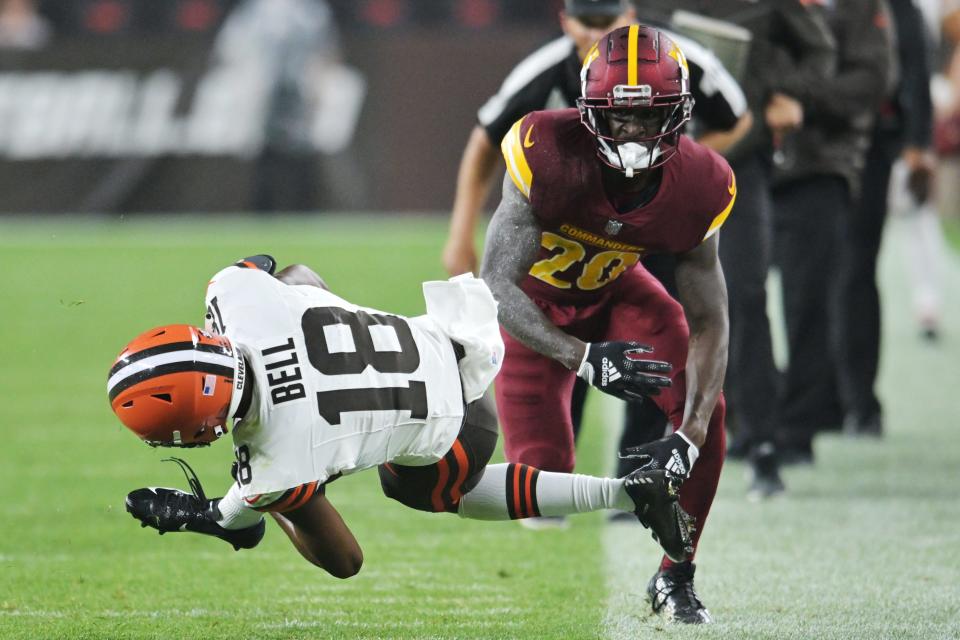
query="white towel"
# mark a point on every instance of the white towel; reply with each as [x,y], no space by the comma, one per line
[465,310]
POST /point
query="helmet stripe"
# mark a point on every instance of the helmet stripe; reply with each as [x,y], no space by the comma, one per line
[166,348]
[632,46]
[166,363]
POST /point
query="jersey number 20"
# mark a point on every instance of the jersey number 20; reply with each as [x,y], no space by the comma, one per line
[362,325]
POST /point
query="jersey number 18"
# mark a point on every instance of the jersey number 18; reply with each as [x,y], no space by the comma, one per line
[332,404]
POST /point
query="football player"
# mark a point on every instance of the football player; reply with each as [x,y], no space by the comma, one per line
[587,193]
[317,388]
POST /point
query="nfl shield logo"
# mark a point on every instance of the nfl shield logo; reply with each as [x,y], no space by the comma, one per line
[613,227]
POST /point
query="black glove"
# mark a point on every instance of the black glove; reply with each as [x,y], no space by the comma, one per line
[674,453]
[617,368]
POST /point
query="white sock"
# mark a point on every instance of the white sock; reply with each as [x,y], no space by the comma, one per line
[510,491]
[234,513]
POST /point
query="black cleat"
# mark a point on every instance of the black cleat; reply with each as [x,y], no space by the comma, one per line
[671,593]
[654,492]
[174,510]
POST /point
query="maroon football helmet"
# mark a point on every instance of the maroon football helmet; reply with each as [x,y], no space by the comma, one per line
[635,74]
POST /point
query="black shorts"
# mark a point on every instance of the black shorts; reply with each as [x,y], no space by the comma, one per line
[438,487]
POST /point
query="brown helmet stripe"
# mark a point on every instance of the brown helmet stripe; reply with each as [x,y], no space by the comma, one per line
[167,369]
[167,348]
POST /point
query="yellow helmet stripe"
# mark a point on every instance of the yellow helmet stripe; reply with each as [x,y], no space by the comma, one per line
[722,216]
[633,36]
[517,167]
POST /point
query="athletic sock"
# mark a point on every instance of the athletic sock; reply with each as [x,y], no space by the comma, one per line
[512,491]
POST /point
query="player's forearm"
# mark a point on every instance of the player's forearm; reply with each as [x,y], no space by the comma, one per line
[706,367]
[474,179]
[513,243]
[523,320]
[722,141]
[703,293]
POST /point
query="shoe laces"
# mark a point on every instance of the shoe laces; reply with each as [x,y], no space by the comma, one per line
[681,577]
[186,502]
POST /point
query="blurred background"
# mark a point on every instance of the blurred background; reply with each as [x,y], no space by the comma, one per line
[292,113]
[202,105]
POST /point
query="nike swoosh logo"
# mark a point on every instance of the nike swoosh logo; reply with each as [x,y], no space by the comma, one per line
[527,142]
[732,189]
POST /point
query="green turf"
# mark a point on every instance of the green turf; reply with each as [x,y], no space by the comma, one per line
[951,229]
[866,544]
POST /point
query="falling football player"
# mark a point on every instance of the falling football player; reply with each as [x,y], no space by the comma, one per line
[317,388]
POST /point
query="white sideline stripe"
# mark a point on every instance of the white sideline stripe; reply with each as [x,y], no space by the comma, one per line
[187,355]
[630,555]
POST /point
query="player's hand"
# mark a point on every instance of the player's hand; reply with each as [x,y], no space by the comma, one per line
[618,368]
[783,114]
[675,454]
[459,257]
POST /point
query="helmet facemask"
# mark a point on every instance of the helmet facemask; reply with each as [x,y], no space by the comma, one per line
[663,122]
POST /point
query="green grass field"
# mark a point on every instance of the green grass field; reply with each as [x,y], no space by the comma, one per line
[866,544]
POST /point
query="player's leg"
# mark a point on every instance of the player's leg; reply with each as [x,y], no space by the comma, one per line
[533,404]
[462,483]
[440,486]
[646,313]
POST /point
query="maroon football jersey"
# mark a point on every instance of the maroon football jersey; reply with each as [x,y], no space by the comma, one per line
[586,244]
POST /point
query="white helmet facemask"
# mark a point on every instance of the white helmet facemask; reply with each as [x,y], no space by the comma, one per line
[630,157]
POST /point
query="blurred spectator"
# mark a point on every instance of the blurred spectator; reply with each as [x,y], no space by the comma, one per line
[791,51]
[817,181]
[22,26]
[283,46]
[903,129]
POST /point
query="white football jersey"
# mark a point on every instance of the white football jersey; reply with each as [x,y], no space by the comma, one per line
[339,388]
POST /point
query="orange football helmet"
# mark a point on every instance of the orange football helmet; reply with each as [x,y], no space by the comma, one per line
[173,385]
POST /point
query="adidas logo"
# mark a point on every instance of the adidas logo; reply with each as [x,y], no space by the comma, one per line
[608,372]
[676,464]
[640,480]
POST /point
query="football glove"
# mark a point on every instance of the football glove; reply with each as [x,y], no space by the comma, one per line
[619,369]
[675,454]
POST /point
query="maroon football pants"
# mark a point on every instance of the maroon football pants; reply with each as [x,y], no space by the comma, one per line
[533,391]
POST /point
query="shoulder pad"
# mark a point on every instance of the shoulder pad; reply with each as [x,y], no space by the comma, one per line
[513,146]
